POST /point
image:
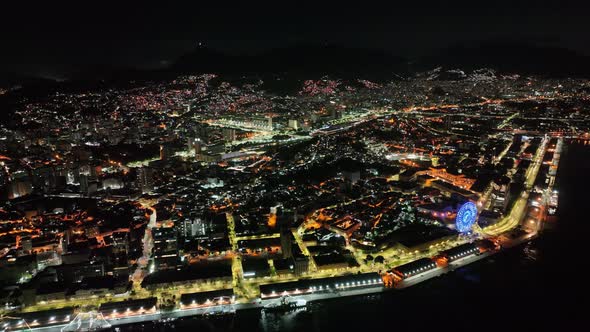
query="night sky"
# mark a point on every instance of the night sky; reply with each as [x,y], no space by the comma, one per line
[49,40]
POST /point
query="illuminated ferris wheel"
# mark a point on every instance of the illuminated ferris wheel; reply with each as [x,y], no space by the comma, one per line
[466,217]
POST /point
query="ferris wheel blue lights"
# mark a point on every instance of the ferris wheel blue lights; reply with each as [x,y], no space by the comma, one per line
[466,217]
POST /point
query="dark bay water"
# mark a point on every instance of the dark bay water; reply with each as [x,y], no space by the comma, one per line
[540,286]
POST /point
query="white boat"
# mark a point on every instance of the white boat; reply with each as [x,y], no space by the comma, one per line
[285,303]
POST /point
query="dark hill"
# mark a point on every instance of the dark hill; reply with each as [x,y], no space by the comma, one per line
[508,57]
[303,60]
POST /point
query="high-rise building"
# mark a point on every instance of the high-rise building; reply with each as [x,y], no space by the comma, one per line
[84,182]
[284,218]
[166,152]
[145,179]
[87,186]
[19,188]
[193,227]
[26,244]
[301,264]
[120,243]
[293,124]
[517,140]
[165,248]
[48,258]
[229,134]
[194,144]
[286,243]
[352,175]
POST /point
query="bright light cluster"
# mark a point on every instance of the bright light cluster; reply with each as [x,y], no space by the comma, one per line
[466,217]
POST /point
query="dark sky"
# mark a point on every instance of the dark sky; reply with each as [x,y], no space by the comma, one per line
[51,39]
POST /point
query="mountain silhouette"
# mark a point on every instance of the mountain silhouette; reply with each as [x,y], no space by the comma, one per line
[510,57]
[311,61]
[299,60]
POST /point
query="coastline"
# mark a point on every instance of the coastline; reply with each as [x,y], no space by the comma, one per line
[258,305]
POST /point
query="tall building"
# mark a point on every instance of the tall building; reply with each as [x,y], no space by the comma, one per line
[19,188]
[166,152]
[517,140]
[301,264]
[194,144]
[87,185]
[352,175]
[48,258]
[286,243]
[120,243]
[165,248]
[193,227]
[145,179]
[293,124]
[84,183]
[229,134]
[26,244]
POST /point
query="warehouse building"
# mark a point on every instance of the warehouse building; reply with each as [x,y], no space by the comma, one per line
[413,268]
[113,310]
[461,251]
[27,320]
[331,284]
[206,299]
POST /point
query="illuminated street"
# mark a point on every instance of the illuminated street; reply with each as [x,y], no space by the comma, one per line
[234,166]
